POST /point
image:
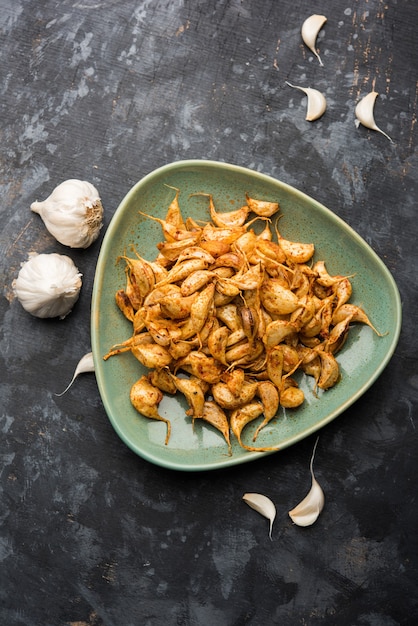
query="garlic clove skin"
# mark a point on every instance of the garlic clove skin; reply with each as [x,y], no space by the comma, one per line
[263,505]
[48,285]
[317,103]
[307,511]
[364,113]
[309,31]
[73,213]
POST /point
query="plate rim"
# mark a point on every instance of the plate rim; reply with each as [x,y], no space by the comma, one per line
[98,362]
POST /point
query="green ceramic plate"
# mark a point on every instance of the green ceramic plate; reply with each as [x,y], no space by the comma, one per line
[362,359]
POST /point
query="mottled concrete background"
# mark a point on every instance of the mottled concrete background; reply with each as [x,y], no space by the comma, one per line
[107,91]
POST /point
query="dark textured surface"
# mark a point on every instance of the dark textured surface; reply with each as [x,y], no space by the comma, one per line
[107,91]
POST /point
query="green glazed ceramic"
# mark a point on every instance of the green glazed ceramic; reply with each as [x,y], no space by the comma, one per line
[362,359]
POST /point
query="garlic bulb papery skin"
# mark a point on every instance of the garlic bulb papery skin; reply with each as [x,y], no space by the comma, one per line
[308,510]
[309,31]
[317,103]
[48,285]
[365,113]
[73,213]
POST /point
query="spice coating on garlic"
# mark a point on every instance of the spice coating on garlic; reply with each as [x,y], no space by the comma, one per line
[309,31]
[48,285]
[73,213]
[317,103]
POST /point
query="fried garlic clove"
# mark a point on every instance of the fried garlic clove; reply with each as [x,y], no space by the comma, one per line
[228,219]
[234,380]
[171,251]
[152,355]
[173,215]
[226,399]
[196,252]
[343,291]
[337,336]
[195,281]
[202,366]
[177,307]
[262,208]
[277,299]
[296,252]
[193,392]
[163,380]
[356,313]
[179,272]
[330,371]
[199,312]
[291,396]
[242,416]
[217,342]
[277,331]
[124,304]
[216,417]
[274,365]
[251,279]
[145,398]
[323,276]
[269,396]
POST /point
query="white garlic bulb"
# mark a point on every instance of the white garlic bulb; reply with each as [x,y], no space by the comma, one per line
[48,285]
[73,213]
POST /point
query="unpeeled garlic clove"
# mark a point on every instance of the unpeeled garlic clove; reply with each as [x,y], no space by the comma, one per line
[364,113]
[309,31]
[263,505]
[85,364]
[317,103]
[308,510]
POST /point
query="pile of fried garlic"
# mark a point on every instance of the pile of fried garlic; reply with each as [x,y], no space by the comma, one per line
[226,316]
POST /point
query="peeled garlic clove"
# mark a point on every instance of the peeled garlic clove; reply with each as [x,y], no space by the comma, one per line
[307,511]
[263,505]
[85,364]
[73,213]
[317,103]
[364,113]
[48,285]
[309,31]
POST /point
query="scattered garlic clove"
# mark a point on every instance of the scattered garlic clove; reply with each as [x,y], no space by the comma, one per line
[263,505]
[309,31]
[73,213]
[317,103]
[308,510]
[85,364]
[364,113]
[48,285]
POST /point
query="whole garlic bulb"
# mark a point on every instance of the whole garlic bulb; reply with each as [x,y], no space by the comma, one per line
[48,285]
[73,213]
